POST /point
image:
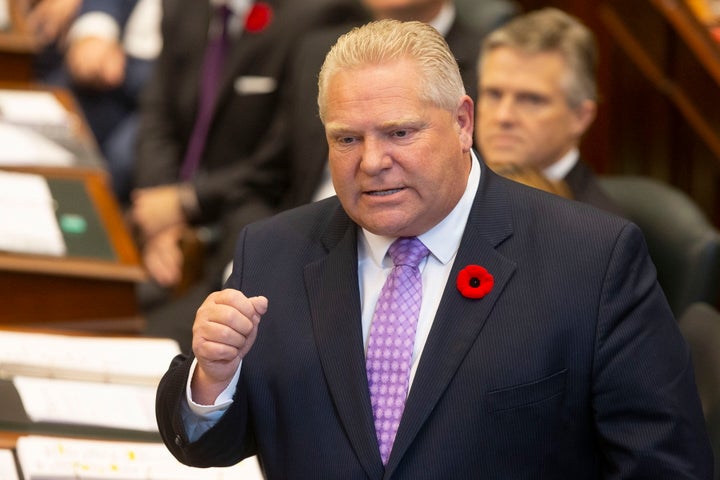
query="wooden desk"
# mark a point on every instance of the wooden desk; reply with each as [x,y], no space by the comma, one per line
[18,47]
[79,291]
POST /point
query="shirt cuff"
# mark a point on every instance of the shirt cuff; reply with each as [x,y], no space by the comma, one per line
[197,418]
[189,202]
[221,402]
[94,24]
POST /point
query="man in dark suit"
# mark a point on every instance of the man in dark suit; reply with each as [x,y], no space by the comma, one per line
[538,96]
[543,348]
[307,148]
[238,178]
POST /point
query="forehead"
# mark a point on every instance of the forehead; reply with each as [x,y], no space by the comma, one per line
[380,89]
[510,67]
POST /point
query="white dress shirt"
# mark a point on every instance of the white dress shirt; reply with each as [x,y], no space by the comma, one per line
[374,265]
[142,37]
[558,170]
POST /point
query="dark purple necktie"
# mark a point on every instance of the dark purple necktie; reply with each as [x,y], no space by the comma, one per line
[211,70]
[391,339]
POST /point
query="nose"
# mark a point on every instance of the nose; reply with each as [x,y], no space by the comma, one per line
[376,156]
[505,111]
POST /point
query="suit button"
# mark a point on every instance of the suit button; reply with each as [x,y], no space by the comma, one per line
[178,440]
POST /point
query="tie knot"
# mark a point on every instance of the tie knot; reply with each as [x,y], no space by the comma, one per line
[221,19]
[407,251]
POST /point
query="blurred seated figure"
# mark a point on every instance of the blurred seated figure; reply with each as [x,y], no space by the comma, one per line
[487,15]
[109,51]
[537,97]
[49,21]
[110,56]
[210,128]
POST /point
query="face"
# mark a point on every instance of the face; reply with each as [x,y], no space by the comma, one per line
[405,10]
[523,116]
[399,165]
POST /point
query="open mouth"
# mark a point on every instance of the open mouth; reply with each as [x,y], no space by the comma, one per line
[382,193]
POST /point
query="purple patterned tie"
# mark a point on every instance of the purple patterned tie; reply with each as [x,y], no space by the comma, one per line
[391,340]
[211,70]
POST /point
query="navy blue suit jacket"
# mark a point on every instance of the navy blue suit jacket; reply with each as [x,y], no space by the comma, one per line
[572,367]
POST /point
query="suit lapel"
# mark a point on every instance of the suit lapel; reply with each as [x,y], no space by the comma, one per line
[332,285]
[459,320]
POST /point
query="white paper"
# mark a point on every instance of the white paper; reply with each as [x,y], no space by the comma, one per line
[32,108]
[27,215]
[22,146]
[53,458]
[128,360]
[130,407]
[7,465]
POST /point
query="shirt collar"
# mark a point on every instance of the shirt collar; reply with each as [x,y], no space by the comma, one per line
[238,7]
[559,169]
[444,20]
[443,240]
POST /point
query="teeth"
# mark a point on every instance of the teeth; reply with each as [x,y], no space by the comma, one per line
[385,192]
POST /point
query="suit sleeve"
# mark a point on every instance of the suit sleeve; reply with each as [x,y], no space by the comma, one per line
[229,441]
[646,407]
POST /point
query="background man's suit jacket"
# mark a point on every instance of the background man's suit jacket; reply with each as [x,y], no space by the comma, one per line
[236,177]
[308,148]
[240,178]
[586,188]
[572,367]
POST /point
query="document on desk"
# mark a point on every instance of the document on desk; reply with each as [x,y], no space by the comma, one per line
[128,360]
[58,458]
[27,216]
[22,146]
[7,465]
[33,108]
[128,407]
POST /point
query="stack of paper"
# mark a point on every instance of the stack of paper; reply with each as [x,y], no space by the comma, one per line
[81,380]
[28,122]
[7,465]
[48,458]
[27,216]
[33,109]
[128,360]
[22,146]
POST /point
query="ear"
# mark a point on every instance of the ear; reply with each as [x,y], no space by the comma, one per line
[584,116]
[465,119]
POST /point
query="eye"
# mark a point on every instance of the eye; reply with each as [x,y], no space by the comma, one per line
[491,94]
[346,140]
[532,99]
[400,133]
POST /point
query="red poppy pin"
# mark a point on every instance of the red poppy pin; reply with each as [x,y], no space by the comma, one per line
[474,281]
[258,18]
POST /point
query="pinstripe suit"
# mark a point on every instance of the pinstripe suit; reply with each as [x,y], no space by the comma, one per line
[572,367]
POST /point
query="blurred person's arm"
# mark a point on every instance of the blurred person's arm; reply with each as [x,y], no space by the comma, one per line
[49,20]
[163,256]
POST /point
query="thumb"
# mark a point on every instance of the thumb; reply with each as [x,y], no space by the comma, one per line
[260,304]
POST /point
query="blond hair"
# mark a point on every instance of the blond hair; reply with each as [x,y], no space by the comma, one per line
[386,41]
